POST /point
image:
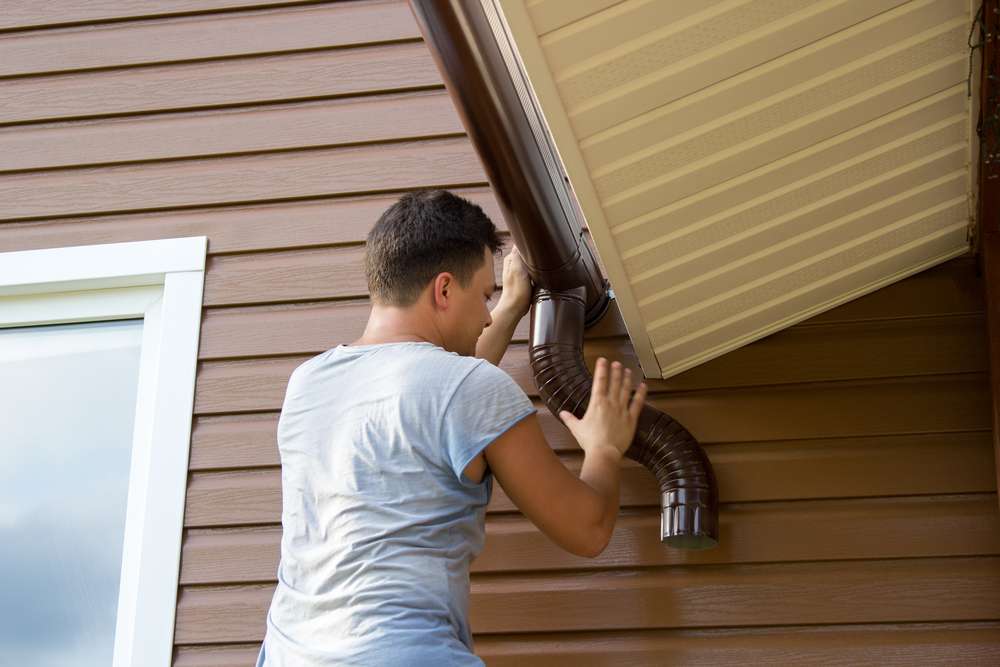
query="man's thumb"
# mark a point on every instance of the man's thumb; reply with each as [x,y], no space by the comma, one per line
[567,417]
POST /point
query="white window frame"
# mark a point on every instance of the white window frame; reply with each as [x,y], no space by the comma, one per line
[162,282]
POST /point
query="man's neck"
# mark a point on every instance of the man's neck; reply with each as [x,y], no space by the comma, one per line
[387,324]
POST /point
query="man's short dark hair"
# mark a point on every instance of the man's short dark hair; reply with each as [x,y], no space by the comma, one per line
[421,235]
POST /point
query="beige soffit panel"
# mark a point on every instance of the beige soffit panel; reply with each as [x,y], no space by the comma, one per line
[744,165]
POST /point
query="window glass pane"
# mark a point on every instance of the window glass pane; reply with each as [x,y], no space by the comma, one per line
[67,409]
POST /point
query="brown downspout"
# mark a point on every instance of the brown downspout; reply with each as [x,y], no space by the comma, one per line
[473,51]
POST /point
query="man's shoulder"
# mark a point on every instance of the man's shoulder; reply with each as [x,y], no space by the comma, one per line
[437,359]
[483,379]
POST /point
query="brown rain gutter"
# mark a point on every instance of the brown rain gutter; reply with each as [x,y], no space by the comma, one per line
[472,49]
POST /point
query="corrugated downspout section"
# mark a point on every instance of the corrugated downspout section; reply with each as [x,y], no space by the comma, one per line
[688,492]
[473,52]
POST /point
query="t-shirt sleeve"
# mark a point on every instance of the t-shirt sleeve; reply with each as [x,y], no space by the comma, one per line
[486,404]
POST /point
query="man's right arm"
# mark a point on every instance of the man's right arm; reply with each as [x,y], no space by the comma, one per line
[578,514]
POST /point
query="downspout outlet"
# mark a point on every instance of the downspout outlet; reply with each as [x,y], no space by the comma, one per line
[688,489]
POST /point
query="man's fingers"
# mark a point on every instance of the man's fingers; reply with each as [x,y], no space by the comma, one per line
[615,383]
[600,387]
[626,388]
[638,401]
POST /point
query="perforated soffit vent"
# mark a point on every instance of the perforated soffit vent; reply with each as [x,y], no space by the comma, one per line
[743,166]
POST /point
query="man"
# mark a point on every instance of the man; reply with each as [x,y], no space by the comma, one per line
[389,447]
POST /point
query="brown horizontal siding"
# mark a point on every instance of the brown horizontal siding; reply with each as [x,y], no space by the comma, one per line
[882,645]
[244,179]
[201,37]
[237,81]
[853,450]
[866,466]
[20,14]
[229,229]
[868,591]
[173,136]
[852,529]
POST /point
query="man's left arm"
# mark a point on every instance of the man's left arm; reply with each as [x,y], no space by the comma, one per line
[495,338]
[515,300]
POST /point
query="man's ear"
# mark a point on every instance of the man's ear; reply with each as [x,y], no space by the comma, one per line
[442,287]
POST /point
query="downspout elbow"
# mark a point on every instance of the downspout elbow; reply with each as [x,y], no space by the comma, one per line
[688,489]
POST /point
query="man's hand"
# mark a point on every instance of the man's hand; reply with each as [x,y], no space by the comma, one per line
[513,305]
[516,294]
[611,418]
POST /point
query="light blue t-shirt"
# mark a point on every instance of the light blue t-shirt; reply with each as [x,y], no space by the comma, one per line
[379,524]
